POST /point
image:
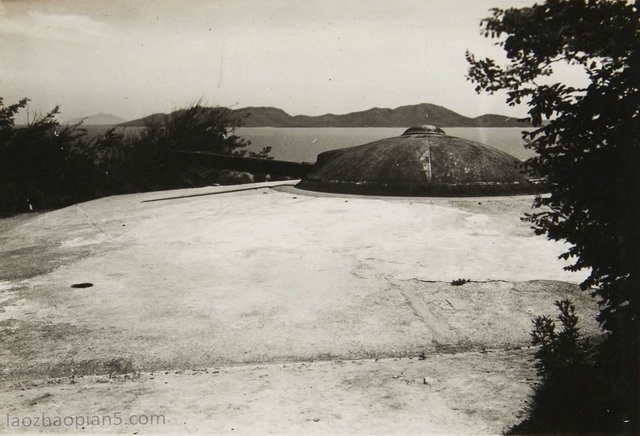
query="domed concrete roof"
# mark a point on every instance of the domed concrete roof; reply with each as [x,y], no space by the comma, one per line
[424,161]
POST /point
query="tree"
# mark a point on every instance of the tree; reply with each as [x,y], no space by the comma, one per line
[195,128]
[586,139]
[200,128]
[46,165]
[39,166]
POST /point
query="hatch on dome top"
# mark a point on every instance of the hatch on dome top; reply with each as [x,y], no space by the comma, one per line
[425,129]
[423,161]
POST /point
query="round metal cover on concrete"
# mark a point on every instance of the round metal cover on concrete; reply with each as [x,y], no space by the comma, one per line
[423,161]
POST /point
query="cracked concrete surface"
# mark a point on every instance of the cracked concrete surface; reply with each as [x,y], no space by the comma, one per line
[204,278]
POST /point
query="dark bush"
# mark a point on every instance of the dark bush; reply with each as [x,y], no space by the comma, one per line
[40,167]
[578,393]
[45,165]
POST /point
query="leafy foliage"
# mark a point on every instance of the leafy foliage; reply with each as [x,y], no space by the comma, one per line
[45,165]
[587,143]
[589,149]
[558,350]
[39,166]
[576,394]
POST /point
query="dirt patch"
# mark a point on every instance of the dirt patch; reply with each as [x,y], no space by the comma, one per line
[470,393]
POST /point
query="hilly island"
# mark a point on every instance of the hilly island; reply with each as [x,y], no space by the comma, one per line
[402,116]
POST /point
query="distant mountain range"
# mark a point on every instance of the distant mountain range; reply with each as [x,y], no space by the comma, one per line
[98,119]
[404,116]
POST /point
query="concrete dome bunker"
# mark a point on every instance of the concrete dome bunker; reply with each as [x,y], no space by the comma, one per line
[423,161]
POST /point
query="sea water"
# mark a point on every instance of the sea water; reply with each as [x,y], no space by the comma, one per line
[302,144]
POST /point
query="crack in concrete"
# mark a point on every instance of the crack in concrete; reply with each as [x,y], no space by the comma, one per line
[437,325]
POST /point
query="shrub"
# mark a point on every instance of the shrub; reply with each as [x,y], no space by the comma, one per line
[578,392]
[40,167]
[557,350]
[45,165]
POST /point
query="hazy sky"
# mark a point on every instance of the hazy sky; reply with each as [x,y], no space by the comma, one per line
[135,57]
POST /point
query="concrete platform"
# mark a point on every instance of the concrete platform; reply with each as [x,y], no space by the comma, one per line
[267,274]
